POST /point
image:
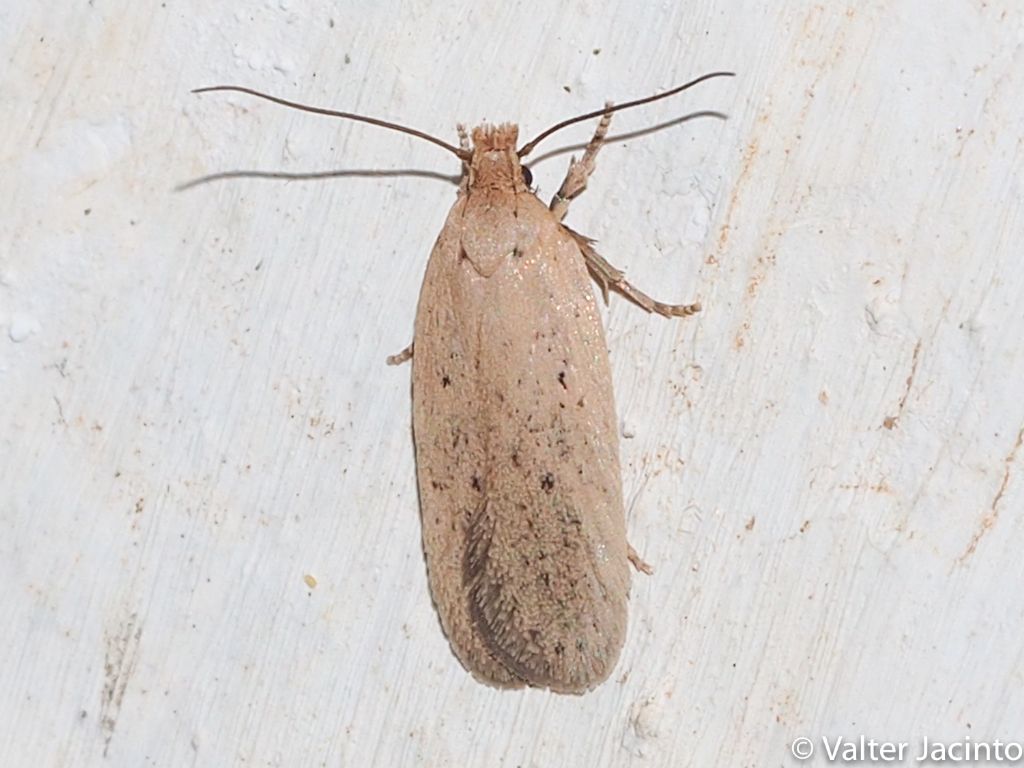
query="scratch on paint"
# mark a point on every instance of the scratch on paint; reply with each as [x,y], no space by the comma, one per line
[118,665]
[989,520]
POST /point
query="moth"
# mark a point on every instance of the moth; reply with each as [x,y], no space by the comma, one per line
[514,424]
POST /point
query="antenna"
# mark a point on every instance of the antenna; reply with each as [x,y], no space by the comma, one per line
[459,153]
[531,145]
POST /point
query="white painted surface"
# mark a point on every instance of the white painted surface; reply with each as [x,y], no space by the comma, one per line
[197,415]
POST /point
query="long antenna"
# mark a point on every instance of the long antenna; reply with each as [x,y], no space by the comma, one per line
[531,145]
[459,153]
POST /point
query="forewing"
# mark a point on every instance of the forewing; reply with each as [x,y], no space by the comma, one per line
[449,432]
[547,550]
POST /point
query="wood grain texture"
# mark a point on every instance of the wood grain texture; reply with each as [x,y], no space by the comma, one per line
[197,413]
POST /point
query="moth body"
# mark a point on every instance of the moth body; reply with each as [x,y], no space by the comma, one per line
[516,448]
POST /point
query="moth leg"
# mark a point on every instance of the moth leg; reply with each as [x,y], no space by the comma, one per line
[401,357]
[638,562]
[576,179]
[608,276]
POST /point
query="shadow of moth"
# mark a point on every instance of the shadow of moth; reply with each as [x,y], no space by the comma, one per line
[517,450]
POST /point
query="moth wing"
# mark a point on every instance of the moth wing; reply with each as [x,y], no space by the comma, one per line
[450,438]
[547,561]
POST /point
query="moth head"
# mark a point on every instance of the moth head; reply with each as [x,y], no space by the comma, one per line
[495,164]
